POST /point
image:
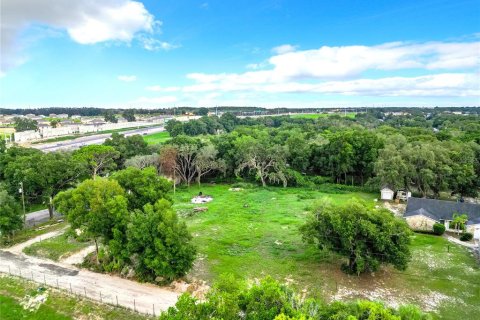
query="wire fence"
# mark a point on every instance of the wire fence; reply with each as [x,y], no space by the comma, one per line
[86,291]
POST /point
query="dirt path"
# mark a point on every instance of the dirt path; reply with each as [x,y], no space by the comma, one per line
[18,248]
[462,243]
[79,256]
[142,297]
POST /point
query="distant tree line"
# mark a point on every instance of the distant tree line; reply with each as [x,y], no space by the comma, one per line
[295,151]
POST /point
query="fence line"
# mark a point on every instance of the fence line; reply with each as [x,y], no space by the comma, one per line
[84,291]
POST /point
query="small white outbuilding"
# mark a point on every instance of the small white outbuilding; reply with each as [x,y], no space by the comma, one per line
[386,194]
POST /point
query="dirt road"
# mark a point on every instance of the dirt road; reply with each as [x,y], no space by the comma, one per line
[144,298]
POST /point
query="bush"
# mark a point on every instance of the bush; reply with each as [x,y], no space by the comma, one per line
[296,179]
[438,229]
[269,300]
[466,236]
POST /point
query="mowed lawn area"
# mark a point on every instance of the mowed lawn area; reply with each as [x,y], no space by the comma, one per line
[55,248]
[58,305]
[254,233]
[321,115]
[156,138]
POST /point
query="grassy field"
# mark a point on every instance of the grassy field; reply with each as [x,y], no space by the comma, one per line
[55,248]
[254,233]
[156,138]
[322,115]
[58,305]
[24,235]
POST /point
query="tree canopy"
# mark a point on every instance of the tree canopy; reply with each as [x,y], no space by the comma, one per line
[366,237]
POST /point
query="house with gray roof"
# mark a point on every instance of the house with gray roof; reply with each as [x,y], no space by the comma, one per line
[421,214]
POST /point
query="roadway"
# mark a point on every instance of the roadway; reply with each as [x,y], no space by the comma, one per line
[34,218]
[92,139]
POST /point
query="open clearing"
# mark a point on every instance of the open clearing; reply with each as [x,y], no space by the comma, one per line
[321,115]
[26,234]
[55,248]
[58,305]
[254,232]
[156,138]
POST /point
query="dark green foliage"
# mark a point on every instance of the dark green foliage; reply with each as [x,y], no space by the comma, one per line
[438,229]
[129,115]
[24,124]
[160,243]
[110,116]
[10,214]
[270,300]
[367,237]
[142,186]
[95,206]
[99,159]
[127,147]
[466,236]
[43,175]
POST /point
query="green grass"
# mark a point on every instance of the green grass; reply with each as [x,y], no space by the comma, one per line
[321,115]
[58,305]
[55,248]
[254,233]
[27,234]
[156,138]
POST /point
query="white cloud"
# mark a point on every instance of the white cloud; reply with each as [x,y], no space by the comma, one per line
[127,78]
[285,48]
[339,70]
[152,44]
[157,100]
[85,21]
[446,84]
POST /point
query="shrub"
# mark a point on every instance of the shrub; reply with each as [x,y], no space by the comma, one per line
[269,300]
[296,179]
[438,229]
[466,236]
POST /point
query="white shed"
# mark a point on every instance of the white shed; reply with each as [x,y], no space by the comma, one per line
[386,194]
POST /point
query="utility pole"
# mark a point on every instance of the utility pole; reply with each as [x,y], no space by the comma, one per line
[23,202]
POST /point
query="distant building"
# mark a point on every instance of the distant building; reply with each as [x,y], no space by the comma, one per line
[422,214]
[386,193]
[62,115]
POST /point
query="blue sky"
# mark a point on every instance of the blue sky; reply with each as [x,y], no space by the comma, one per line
[124,53]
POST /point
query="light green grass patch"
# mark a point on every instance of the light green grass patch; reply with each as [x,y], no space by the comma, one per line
[156,138]
[27,234]
[55,248]
[58,305]
[322,115]
[255,232]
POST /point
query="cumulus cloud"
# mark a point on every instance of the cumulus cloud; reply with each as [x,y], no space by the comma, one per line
[285,48]
[152,44]
[85,21]
[340,70]
[127,78]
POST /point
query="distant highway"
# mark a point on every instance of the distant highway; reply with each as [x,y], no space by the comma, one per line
[89,140]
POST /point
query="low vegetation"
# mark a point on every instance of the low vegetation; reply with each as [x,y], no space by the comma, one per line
[131,216]
[26,234]
[254,232]
[156,138]
[269,300]
[56,248]
[58,306]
